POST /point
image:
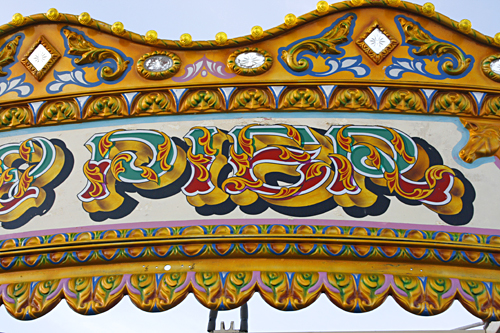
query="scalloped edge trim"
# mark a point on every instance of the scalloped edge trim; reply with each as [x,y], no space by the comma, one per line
[287,291]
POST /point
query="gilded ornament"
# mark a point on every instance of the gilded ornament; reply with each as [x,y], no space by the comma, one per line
[490,106]
[353,99]
[250,99]
[429,47]
[202,100]
[89,53]
[452,103]
[497,38]
[186,40]
[53,14]
[403,100]
[290,19]
[105,107]
[118,28]
[394,3]
[257,32]
[8,53]
[151,36]
[221,38]
[158,65]
[491,67]
[43,43]
[357,2]
[484,139]
[428,9]
[301,98]
[465,26]
[250,61]
[377,57]
[58,112]
[153,103]
[84,18]
[16,116]
[325,44]
[322,7]
[17,19]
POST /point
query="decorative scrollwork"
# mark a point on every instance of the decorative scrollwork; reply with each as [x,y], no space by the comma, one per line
[7,54]
[484,140]
[153,103]
[89,53]
[250,71]
[250,99]
[16,116]
[301,98]
[202,100]
[353,99]
[159,74]
[285,290]
[106,107]
[491,106]
[428,46]
[486,67]
[452,103]
[325,44]
[58,112]
[403,100]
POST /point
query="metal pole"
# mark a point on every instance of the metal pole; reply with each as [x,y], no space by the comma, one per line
[244,318]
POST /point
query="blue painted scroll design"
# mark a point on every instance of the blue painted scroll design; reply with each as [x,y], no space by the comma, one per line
[77,75]
[324,46]
[16,84]
[452,62]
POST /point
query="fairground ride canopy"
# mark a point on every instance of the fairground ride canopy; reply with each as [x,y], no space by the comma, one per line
[351,151]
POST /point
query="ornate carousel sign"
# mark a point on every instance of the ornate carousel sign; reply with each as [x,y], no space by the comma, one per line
[333,154]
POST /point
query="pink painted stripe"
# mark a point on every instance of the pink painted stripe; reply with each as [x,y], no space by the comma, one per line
[497,162]
[318,222]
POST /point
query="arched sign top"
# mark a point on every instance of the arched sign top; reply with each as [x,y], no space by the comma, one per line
[353,157]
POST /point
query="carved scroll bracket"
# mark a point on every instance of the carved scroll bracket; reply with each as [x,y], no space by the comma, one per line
[89,53]
[484,139]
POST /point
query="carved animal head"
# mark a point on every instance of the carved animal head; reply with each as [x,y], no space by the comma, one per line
[484,141]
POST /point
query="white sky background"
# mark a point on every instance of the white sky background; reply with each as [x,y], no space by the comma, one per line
[203,19]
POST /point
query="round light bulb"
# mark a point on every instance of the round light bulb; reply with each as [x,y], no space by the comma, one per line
[17,19]
[84,18]
[428,9]
[53,14]
[186,39]
[290,19]
[118,28]
[257,31]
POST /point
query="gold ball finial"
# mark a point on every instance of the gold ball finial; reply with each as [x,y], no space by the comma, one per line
[221,38]
[84,18]
[151,36]
[322,7]
[118,28]
[290,19]
[394,3]
[356,2]
[465,26]
[257,31]
[428,9]
[186,39]
[17,19]
[497,38]
[53,14]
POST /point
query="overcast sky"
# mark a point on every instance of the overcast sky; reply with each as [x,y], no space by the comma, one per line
[203,19]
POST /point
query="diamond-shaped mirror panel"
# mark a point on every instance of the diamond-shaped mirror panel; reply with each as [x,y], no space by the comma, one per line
[40,58]
[377,43]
